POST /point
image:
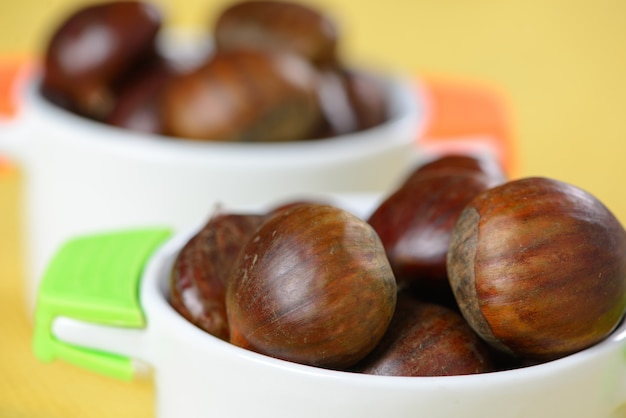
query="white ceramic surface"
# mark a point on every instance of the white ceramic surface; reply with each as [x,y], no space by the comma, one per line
[198,375]
[82,177]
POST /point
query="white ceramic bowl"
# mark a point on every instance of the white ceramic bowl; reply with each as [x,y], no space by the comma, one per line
[197,375]
[82,176]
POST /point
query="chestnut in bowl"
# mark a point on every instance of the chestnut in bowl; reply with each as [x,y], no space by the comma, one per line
[197,375]
[460,162]
[200,274]
[415,222]
[94,49]
[137,107]
[278,26]
[313,286]
[244,95]
[427,339]
[538,268]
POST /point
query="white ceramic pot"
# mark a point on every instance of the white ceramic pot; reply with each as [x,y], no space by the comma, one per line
[81,176]
[198,375]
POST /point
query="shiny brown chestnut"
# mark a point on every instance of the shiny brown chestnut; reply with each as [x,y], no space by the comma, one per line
[426,339]
[278,26]
[201,270]
[538,268]
[312,286]
[415,224]
[93,49]
[244,96]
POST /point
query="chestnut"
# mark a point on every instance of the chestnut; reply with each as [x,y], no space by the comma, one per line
[312,286]
[243,96]
[415,224]
[278,26]
[538,268]
[94,49]
[351,100]
[137,107]
[461,162]
[367,96]
[338,114]
[201,270]
[426,339]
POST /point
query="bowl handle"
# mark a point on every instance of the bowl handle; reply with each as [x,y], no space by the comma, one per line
[94,280]
[468,117]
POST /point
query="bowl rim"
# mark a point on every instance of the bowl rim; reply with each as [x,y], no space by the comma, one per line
[409,112]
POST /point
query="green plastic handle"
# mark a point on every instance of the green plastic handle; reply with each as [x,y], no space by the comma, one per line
[95,279]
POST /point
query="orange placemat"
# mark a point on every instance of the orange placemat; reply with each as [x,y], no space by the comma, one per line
[28,388]
[13,71]
[465,113]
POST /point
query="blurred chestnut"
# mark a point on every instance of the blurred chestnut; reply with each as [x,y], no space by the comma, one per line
[426,339]
[415,225]
[538,268]
[244,96]
[278,26]
[312,286]
[201,269]
[351,100]
[368,97]
[138,104]
[338,114]
[93,49]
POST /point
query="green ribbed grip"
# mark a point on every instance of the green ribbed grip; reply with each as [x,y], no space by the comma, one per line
[95,279]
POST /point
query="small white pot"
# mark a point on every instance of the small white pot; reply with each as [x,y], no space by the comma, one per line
[198,375]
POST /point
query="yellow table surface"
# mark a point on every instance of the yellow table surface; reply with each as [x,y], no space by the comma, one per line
[561,63]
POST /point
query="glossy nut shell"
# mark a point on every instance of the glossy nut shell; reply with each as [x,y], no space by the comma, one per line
[426,339]
[201,270]
[538,268]
[312,286]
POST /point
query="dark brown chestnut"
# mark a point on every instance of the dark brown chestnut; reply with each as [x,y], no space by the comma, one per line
[93,49]
[201,270]
[137,107]
[278,26]
[538,268]
[415,225]
[244,96]
[426,339]
[312,286]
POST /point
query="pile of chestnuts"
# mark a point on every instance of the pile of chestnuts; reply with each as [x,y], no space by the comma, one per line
[275,74]
[458,271]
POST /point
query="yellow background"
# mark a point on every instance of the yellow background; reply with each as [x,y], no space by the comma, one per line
[560,63]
